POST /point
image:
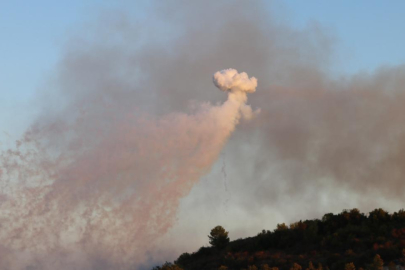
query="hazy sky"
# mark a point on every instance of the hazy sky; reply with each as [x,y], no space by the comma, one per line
[368,35]
[330,86]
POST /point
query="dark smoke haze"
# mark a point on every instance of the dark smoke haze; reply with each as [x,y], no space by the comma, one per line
[108,175]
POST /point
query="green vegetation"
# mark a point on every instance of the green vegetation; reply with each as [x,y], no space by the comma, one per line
[349,240]
[218,237]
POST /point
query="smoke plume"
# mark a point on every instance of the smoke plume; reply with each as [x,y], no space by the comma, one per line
[112,198]
[231,80]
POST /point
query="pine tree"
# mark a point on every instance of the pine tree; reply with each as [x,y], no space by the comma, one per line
[218,237]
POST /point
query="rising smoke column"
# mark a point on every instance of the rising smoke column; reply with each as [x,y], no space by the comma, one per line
[102,203]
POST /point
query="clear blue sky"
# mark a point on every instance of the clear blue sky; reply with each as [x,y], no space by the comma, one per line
[32,33]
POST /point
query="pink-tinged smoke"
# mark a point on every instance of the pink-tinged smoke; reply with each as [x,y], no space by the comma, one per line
[102,202]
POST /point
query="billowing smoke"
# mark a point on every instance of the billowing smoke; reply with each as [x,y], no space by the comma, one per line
[103,204]
[231,80]
[237,85]
[126,132]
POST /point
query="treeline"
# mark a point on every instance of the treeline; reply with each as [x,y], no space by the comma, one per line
[346,241]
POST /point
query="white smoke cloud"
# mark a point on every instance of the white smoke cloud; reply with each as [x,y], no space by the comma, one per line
[231,80]
[237,84]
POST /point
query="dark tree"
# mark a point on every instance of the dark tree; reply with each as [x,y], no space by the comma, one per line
[218,237]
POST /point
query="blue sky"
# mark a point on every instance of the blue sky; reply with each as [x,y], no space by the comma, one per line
[32,37]
[368,34]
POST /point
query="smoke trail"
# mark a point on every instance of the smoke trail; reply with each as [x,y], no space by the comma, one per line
[104,205]
[224,178]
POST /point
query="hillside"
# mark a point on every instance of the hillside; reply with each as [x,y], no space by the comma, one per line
[345,241]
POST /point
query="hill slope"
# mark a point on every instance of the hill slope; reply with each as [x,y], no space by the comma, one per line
[339,241]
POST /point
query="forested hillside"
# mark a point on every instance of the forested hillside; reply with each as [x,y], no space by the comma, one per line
[346,241]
